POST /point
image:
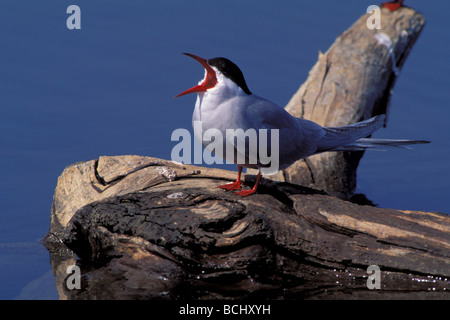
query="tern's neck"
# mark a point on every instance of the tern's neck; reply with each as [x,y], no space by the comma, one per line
[222,92]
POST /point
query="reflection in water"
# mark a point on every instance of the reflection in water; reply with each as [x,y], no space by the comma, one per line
[136,274]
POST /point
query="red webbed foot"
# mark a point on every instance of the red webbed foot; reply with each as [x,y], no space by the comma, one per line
[235,185]
[245,193]
[231,186]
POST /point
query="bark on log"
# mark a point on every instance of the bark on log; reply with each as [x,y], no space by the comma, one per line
[351,82]
[148,228]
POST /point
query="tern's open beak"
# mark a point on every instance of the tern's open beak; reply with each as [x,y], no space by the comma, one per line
[209,82]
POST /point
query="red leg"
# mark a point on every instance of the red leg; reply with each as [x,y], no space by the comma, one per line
[245,193]
[235,185]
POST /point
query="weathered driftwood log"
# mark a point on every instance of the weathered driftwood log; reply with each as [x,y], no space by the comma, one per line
[352,81]
[149,228]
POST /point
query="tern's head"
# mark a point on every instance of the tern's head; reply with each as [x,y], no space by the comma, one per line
[217,69]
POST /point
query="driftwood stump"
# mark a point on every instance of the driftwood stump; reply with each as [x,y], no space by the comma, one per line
[352,81]
[149,228]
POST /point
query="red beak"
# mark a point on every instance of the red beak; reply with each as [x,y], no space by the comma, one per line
[210,79]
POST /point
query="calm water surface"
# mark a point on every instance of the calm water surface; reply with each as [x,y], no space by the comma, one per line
[107,89]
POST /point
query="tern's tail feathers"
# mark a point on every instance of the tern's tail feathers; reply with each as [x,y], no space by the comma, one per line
[335,138]
[378,144]
[353,137]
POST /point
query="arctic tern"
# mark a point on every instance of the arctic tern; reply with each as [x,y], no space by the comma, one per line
[224,101]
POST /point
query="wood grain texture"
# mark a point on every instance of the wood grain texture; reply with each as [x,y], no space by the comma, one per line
[164,230]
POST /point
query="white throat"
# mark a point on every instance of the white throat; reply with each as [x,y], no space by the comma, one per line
[210,101]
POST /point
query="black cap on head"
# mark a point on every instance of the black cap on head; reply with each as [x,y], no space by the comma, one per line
[231,71]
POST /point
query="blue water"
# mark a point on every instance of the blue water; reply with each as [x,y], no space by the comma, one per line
[107,89]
